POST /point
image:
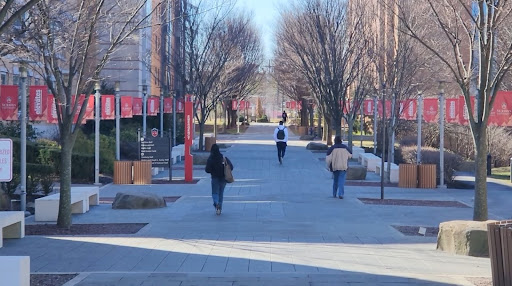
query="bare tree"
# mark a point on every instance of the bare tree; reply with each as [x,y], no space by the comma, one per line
[321,40]
[71,42]
[223,55]
[473,39]
[13,24]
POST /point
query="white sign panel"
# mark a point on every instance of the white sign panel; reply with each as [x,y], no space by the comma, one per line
[5,160]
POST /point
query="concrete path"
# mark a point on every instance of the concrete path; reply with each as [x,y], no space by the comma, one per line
[279,226]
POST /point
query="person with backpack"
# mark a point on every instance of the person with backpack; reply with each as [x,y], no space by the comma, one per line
[215,166]
[281,137]
[337,163]
[284,116]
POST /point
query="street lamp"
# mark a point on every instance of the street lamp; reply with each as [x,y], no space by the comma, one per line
[162,112]
[441,134]
[144,108]
[23,121]
[97,87]
[420,120]
[118,120]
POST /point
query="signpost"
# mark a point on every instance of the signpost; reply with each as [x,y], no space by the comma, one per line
[157,150]
[5,160]
[189,137]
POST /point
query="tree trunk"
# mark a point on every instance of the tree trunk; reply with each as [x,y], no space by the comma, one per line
[337,126]
[350,133]
[64,217]
[480,208]
[234,119]
[201,133]
[304,113]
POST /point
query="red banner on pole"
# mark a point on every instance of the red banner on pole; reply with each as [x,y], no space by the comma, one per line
[501,113]
[51,111]
[126,107]
[430,109]
[234,105]
[408,109]
[9,102]
[38,100]
[108,107]
[368,107]
[388,108]
[288,104]
[464,115]
[137,106]
[168,105]
[189,136]
[180,106]
[452,110]
[89,109]
[153,106]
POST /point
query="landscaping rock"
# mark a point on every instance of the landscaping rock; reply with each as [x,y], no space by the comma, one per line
[356,172]
[200,158]
[316,146]
[307,137]
[464,237]
[138,200]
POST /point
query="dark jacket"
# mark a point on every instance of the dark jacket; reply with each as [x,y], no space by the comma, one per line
[215,166]
[338,146]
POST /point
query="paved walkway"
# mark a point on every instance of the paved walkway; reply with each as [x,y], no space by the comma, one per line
[279,226]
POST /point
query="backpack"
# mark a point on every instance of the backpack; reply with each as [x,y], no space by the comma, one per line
[280,134]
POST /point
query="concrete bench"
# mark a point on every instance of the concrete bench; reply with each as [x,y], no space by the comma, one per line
[91,192]
[362,156]
[15,270]
[47,208]
[393,176]
[12,225]
[177,154]
[356,152]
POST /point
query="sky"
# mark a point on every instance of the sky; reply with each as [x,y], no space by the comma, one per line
[265,18]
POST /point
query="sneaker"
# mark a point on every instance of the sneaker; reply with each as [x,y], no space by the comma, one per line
[218,210]
[280,160]
[341,197]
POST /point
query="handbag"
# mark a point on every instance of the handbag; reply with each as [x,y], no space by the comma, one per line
[228,175]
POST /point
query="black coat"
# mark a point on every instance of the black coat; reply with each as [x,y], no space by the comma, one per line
[215,166]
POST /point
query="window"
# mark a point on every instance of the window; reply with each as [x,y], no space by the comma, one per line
[36,81]
[16,79]
[3,78]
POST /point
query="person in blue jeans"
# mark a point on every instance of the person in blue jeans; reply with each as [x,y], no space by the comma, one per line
[215,167]
[337,163]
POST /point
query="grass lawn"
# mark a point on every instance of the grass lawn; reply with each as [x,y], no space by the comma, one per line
[501,173]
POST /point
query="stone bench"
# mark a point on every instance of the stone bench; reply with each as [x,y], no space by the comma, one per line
[362,156]
[47,208]
[393,176]
[91,192]
[15,270]
[357,152]
[370,161]
[12,225]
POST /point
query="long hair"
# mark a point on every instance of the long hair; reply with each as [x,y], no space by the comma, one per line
[215,152]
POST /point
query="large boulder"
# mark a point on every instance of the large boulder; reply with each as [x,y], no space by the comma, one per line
[356,172]
[464,237]
[316,146]
[138,200]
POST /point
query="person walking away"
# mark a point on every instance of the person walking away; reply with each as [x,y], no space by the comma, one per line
[215,167]
[337,163]
[284,116]
[281,138]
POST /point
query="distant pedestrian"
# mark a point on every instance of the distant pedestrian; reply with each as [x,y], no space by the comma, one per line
[281,138]
[337,163]
[215,166]
[284,116]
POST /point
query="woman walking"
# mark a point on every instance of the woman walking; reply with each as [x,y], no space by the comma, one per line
[215,167]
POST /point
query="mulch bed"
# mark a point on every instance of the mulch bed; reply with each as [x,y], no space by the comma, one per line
[369,184]
[421,203]
[84,229]
[109,200]
[414,230]
[173,182]
[50,279]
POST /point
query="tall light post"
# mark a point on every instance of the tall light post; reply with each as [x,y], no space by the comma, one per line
[375,124]
[97,87]
[174,118]
[118,120]
[144,108]
[420,120]
[23,122]
[441,134]
[161,113]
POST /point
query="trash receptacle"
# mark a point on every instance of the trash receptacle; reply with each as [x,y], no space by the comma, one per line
[122,172]
[427,176]
[499,237]
[407,175]
[142,172]
[208,143]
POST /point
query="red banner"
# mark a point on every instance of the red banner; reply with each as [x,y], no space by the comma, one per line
[464,115]
[368,107]
[501,113]
[108,107]
[408,109]
[9,102]
[180,106]
[453,110]
[388,108]
[234,105]
[288,104]
[137,106]
[89,111]
[126,107]
[51,111]
[37,102]
[430,109]
[153,106]
[168,105]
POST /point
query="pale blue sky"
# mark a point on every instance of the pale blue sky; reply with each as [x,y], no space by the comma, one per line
[265,18]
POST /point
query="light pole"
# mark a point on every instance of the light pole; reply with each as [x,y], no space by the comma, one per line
[375,123]
[420,120]
[144,108]
[174,118]
[118,121]
[23,121]
[97,134]
[441,134]
[161,113]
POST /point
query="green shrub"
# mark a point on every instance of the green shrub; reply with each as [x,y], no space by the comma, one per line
[10,187]
[264,118]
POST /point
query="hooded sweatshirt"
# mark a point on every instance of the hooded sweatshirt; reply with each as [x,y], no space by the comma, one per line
[281,127]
